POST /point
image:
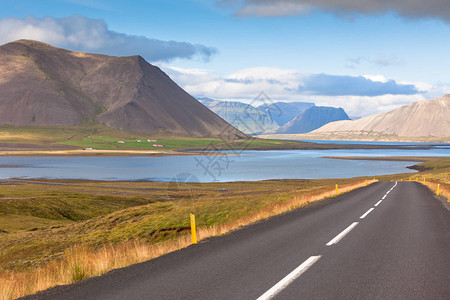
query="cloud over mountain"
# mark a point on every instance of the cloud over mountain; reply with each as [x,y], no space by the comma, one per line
[93,35]
[358,95]
[334,85]
[282,82]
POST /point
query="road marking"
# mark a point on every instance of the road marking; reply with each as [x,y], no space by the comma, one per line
[342,234]
[367,212]
[283,283]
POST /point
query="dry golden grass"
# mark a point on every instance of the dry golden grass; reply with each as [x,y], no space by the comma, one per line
[444,188]
[10,136]
[81,261]
[431,180]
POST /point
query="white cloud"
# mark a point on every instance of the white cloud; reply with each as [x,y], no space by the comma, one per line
[282,85]
[242,84]
[361,106]
[93,35]
[420,86]
[378,78]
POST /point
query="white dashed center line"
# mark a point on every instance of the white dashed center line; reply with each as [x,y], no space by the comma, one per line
[367,212]
[342,234]
[283,283]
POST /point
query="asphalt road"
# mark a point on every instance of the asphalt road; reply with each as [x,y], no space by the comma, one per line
[350,247]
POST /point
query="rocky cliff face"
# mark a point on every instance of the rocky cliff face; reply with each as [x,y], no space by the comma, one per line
[430,118]
[313,118]
[283,112]
[41,85]
[244,117]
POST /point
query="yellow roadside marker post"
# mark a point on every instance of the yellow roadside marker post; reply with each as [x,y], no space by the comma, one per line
[437,192]
[193,231]
[337,190]
[424,181]
[366,181]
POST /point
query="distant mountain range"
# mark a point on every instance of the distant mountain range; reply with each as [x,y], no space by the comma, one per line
[244,117]
[279,117]
[427,120]
[313,118]
[41,85]
[284,112]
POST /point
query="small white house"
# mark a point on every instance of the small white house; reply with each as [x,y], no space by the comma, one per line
[88,149]
[121,142]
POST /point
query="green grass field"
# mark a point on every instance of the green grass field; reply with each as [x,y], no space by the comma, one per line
[100,137]
[104,138]
[38,222]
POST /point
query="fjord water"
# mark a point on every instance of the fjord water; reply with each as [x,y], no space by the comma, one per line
[247,166]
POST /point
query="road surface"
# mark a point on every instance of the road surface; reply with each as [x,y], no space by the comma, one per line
[384,241]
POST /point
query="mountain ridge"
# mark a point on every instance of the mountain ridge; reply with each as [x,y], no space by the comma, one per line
[283,112]
[41,85]
[243,116]
[313,118]
[420,121]
[420,118]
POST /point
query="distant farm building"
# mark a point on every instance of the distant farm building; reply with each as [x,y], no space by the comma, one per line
[151,141]
[88,149]
[158,145]
[121,142]
[138,141]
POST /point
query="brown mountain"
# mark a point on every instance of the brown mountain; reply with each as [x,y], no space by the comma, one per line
[41,85]
[429,118]
[419,121]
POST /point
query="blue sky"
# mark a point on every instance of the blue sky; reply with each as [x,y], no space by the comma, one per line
[367,57]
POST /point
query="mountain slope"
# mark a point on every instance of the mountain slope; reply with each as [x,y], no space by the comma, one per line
[313,118]
[283,112]
[41,85]
[244,117]
[428,118]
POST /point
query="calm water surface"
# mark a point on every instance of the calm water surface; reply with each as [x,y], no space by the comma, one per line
[249,165]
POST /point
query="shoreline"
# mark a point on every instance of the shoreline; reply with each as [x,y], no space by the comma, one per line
[386,158]
[96,153]
[417,160]
[359,138]
[197,151]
